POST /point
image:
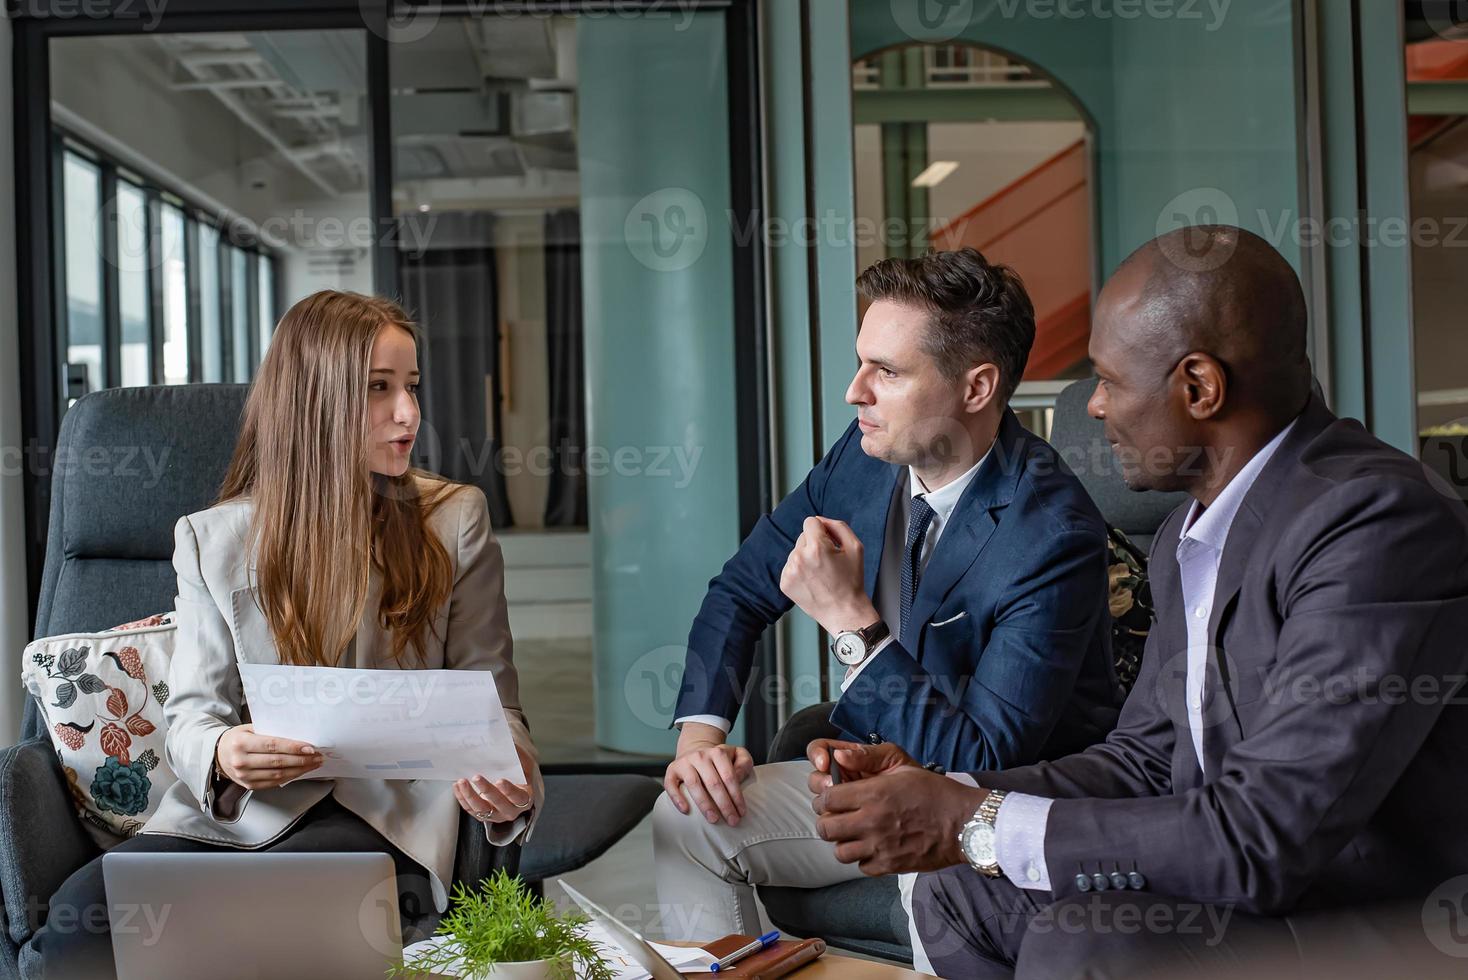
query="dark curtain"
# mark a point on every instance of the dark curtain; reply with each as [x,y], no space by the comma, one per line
[453,294]
[565,504]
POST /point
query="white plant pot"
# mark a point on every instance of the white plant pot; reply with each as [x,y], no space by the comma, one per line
[524,970]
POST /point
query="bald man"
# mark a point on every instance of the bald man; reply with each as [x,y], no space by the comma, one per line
[1296,740]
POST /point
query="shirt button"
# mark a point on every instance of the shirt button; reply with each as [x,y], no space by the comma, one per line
[1200,612]
[1197,701]
[1033,874]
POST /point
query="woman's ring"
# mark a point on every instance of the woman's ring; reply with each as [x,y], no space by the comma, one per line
[521,806]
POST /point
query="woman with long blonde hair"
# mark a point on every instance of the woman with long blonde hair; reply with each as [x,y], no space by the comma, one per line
[326,548]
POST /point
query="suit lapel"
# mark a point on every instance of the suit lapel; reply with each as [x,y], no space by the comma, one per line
[1244,535]
[972,523]
[1248,524]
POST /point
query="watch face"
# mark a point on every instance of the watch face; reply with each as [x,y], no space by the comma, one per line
[978,845]
[850,649]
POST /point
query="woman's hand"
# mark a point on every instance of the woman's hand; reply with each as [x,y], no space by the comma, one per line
[500,801]
[263,761]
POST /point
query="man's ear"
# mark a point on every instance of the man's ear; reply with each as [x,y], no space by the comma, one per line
[981,387]
[1205,385]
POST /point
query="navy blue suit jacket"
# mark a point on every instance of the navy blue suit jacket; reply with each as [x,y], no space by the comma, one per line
[1010,656]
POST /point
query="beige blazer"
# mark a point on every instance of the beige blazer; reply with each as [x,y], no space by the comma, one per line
[220,625]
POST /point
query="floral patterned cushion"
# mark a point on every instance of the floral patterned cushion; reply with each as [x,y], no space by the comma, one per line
[103,696]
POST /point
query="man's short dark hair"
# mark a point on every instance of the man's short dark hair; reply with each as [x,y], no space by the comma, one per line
[978,311]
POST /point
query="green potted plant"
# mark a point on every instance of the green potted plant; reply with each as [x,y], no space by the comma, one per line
[501,932]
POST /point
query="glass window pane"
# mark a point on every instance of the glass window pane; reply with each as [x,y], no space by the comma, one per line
[239,316]
[132,282]
[211,337]
[1015,186]
[267,302]
[175,299]
[82,196]
[514,208]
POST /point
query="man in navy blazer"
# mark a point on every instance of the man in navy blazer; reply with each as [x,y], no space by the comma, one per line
[960,567]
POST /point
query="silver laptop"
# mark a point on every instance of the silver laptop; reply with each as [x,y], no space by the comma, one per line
[628,938]
[249,915]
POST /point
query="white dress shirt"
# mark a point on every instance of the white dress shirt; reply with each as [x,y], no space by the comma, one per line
[1021,822]
[888,599]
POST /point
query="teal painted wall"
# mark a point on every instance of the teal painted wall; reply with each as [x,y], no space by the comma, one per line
[789,289]
[1204,122]
[658,282]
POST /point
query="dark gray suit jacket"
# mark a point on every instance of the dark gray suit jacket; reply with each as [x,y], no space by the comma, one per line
[1336,718]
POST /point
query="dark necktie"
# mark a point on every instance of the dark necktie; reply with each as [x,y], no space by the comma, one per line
[919,516]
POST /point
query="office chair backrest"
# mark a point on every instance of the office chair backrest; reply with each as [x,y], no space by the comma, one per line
[1081,442]
[129,463]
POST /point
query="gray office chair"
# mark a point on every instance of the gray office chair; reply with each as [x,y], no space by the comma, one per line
[866,916]
[109,560]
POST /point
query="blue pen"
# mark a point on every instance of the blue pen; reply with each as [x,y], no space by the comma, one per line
[763,942]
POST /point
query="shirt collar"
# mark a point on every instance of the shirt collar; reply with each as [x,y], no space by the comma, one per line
[1211,526]
[946,497]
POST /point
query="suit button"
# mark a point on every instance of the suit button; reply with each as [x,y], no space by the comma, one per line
[1118,881]
[874,739]
[1100,882]
[1083,882]
[1137,880]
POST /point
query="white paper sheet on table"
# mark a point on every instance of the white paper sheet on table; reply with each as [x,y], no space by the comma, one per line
[686,959]
[386,724]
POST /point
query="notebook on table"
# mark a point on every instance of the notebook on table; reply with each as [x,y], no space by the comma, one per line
[784,956]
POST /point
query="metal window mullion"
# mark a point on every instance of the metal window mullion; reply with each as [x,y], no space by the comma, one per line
[274,297]
[226,310]
[195,321]
[111,282]
[252,308]
[153,242]
[61,309]
[380,170]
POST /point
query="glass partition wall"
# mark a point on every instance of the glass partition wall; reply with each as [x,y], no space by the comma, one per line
[549,191]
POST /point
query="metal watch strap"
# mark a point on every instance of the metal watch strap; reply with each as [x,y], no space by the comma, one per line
[989,810]
[987,814]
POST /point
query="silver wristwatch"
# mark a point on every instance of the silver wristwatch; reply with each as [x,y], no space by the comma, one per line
[854,646]
[977,838]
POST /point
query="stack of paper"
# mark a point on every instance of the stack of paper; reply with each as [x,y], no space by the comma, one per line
[688,959]
[386,724]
